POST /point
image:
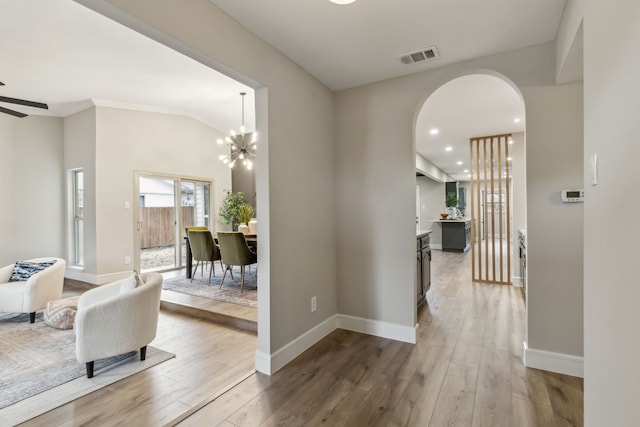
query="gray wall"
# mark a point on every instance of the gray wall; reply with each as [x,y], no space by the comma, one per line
[612,294]
[554,233]
[31,188]
[376,175]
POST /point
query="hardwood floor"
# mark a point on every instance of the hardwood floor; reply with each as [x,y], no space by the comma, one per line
[209,357]
[466,370]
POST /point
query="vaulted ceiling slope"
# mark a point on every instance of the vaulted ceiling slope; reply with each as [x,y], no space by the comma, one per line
[70,57]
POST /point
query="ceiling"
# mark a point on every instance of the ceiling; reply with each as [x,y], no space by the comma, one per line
[467,107]
[70,57]
[350,45]
[66,55]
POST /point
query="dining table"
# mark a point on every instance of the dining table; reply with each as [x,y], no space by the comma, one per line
[252,241]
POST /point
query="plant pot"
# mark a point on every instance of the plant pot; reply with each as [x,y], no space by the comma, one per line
[253,226]
[243,228]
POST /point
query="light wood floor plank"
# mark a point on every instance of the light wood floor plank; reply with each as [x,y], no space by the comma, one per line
[465,370]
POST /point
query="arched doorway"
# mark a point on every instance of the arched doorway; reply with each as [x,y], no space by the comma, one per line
[474,105]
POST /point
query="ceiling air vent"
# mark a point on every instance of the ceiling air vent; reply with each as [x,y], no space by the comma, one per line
[419,56]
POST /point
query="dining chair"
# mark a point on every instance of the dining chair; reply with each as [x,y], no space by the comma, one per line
[203,250]
[235,251]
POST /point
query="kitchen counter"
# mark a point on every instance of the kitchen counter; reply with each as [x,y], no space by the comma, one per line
[422,233]
[456,234]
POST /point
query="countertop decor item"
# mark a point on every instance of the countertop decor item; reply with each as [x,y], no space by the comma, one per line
[444,215]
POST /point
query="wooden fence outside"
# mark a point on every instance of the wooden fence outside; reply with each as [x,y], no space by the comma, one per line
[158,225]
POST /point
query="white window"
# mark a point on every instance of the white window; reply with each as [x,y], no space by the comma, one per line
[77,217]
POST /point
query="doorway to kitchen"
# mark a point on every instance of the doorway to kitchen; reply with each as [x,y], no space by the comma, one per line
[482,215]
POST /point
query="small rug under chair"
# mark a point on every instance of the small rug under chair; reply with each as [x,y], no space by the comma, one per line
[39,370]
[230,291]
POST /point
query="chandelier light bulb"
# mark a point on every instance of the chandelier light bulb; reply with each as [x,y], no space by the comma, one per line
[241,156]
[222,156]
[232,132]
[220,141]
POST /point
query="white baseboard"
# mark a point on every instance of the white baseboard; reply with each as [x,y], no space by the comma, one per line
[270,364]
[79,274]
[379,329]
[555,362]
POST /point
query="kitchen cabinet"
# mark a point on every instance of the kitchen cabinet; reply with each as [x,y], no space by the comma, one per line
[423,260]
[456,235]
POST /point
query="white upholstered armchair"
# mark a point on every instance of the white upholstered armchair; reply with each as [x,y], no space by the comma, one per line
[117,318]
[32,294]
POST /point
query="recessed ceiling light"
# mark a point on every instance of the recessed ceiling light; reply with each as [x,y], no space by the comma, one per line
[434,131]
[342,1]
[459,162]
[469,176]
[516,120]
[466,171]
[448,149]
[509,159]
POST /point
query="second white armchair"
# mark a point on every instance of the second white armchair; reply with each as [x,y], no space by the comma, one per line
[117,318]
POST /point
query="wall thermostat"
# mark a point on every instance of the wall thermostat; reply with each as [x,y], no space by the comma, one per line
[573,196]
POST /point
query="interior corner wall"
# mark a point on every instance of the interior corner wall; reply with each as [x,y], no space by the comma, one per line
[301,235]
[554,153]
[32,188]
[611,291]
[128,142]
[80,152]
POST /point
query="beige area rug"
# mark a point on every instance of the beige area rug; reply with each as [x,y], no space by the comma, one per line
[230,291]
[39,371]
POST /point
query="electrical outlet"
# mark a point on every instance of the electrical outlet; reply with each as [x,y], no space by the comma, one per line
[127,260]
[314,304]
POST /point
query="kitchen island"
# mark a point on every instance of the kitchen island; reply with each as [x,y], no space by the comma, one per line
[456,234]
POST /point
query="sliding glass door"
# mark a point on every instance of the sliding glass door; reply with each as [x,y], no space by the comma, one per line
[166,205]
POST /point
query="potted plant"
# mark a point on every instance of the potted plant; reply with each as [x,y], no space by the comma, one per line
[244,216]
[230,209]
[452,204]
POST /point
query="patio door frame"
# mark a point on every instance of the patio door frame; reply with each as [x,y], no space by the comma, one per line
[179,220]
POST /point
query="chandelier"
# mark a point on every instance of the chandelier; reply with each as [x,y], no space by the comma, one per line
[242,146]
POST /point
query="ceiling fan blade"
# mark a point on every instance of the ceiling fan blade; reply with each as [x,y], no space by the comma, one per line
[24,102]
[12,112]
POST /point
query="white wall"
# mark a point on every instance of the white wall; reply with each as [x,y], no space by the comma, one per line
[611,291]
[80,152]
[376,175]
[6,189]
[32,188]
[519,200]
[431,206]
[554,153]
